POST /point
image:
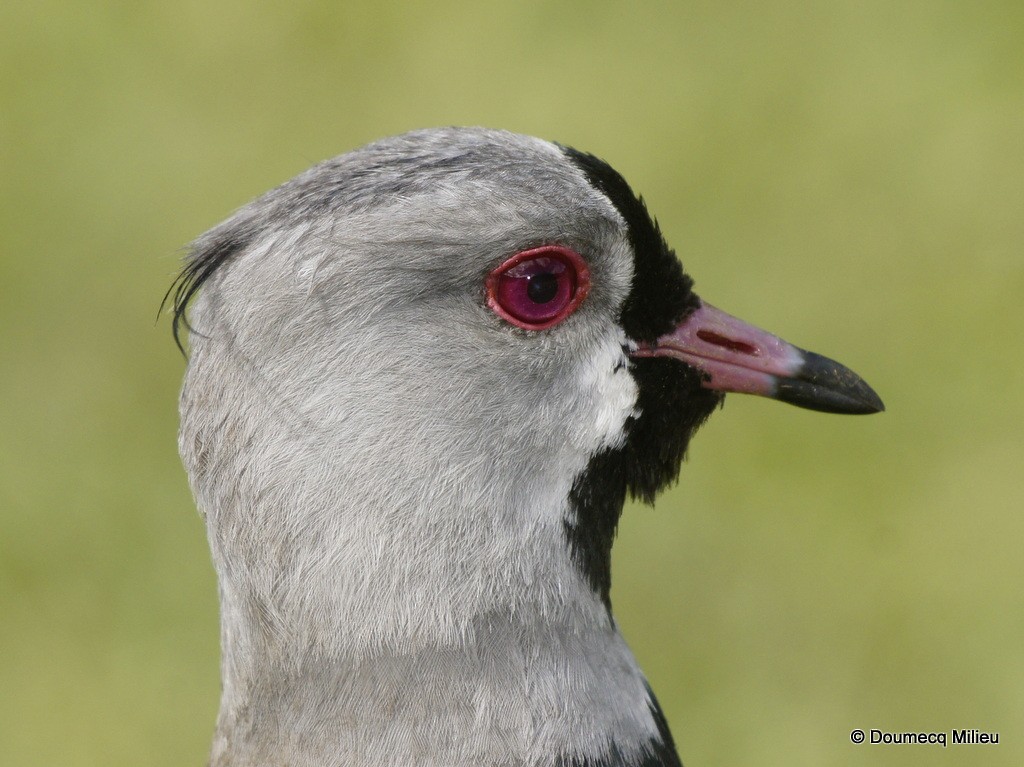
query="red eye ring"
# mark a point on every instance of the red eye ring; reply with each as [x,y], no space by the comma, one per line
[538,288]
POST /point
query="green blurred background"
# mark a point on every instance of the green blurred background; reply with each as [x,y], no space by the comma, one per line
[847,174]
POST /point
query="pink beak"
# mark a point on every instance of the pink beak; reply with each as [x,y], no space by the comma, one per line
[737,357]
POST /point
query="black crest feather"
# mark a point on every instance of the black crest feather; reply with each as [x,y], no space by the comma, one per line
[200,265]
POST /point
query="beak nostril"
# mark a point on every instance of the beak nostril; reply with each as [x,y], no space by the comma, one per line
[728,343]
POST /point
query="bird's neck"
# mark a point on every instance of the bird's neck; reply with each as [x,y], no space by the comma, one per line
[506,692]
[408,597]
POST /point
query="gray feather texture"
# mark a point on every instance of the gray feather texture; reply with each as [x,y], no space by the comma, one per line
[384,465]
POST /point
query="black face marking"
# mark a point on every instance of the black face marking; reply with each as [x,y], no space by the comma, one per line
[662,293]
[199,268]
[671,400]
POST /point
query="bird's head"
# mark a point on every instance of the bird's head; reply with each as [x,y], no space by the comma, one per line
[438,364]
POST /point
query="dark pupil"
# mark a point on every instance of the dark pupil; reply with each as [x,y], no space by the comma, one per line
[542,288]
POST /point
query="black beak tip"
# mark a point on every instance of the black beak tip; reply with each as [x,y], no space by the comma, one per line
[825,385]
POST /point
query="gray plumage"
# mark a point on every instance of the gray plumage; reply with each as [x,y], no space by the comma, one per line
[385,465]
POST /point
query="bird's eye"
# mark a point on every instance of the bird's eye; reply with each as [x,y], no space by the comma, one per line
[538,288]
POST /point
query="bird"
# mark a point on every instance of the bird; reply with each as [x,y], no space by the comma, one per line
[422,379]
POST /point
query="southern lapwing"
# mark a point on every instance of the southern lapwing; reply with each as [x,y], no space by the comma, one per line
[422,379]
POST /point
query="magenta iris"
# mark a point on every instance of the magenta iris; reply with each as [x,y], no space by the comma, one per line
[538,288]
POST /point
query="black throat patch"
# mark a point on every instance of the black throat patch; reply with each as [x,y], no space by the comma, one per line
[672,404]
